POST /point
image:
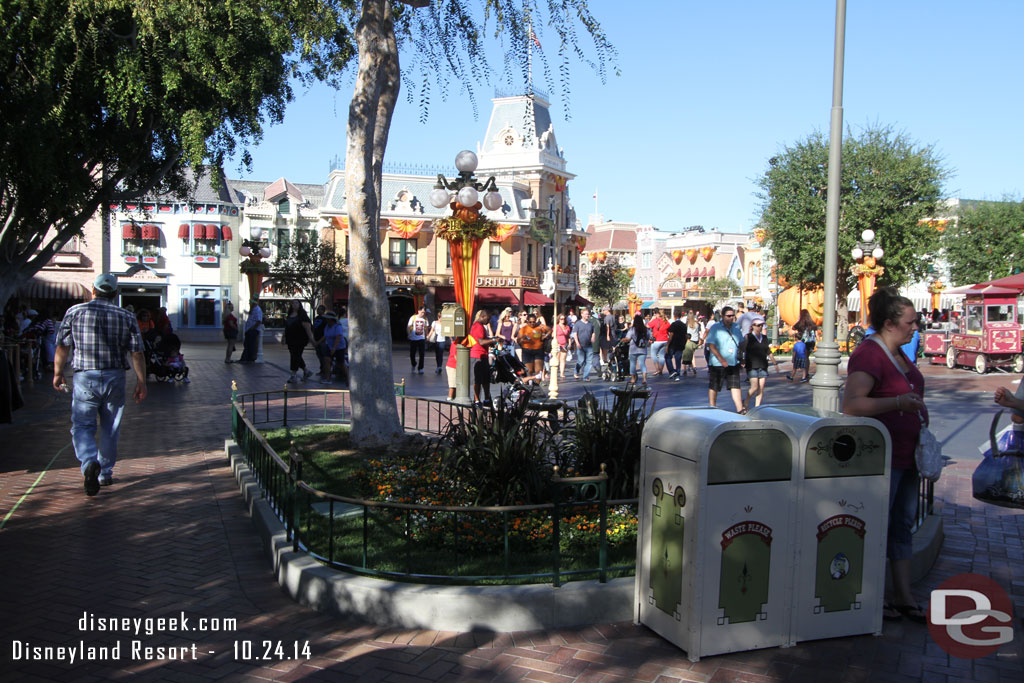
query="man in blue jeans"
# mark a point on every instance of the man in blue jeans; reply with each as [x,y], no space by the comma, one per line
[583,334]
[98,335]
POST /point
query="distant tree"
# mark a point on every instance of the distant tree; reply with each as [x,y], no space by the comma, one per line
[889,184]
[720,290]
[608,282]
[105,102]
[445,42]
[984,242]
[312,270]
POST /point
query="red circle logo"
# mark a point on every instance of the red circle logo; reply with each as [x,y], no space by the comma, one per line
[970,616]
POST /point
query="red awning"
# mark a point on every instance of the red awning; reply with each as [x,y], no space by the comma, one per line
[711,273]
[704,273]
[183,231]
[130,231]
[198,231]
[485,296]
[531,298]
[579,301]
[689,272]
[225,232]
[212,231]
[150,232]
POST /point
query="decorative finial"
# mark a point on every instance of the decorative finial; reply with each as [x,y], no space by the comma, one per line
[234,385]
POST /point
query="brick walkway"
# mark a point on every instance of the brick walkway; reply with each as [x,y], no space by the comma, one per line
[172,537]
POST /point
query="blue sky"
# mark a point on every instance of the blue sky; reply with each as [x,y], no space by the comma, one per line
[708,92]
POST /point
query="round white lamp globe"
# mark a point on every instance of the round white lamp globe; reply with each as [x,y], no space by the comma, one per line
[468,196]
[256,233]
[439,198]
[465,161]
[493,201]
[857,253]
[877,253]
[868,235]
[265,252]
[244,251]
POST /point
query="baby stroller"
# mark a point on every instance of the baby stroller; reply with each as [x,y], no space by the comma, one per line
[617,368]
[164,359]
[508,369]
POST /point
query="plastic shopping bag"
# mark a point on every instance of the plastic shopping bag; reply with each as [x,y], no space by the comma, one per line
[999,478]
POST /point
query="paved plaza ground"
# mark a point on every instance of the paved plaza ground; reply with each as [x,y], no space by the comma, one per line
[172,536]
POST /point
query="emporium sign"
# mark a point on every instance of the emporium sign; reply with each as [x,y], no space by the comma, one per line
[510,282]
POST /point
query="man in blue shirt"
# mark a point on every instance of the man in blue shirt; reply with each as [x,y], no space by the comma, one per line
[98,335]
[723,341]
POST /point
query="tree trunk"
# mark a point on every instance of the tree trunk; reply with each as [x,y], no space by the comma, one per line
[374,412]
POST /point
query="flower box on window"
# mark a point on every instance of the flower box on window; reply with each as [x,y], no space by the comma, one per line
[150,259]
[131,258]
[206,258]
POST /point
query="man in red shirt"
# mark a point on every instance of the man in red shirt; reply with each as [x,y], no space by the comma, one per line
[478,352]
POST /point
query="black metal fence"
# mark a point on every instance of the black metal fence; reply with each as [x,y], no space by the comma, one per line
[576,536]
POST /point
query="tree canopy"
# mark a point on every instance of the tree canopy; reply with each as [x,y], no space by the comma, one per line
[890,185]
[608,282]
[110,100]
[312,269]
[984,242]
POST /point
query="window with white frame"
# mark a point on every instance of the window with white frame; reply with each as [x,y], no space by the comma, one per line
[494,256]
[402,252]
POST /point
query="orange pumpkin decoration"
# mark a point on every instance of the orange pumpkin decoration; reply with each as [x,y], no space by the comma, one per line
[632,272]
[792,300]
[602,256]
[592,256]
[691,255]
[467,214]
[677,255]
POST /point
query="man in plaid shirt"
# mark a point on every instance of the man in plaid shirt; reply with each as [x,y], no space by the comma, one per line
[98,334]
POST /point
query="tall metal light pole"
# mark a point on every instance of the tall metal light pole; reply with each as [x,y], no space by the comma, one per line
[826,381]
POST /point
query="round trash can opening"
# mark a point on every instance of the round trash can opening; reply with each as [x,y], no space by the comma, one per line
[844,447]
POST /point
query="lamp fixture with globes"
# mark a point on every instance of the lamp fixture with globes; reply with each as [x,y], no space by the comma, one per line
[463,193]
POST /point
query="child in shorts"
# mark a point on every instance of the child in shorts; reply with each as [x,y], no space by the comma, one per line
[799,359]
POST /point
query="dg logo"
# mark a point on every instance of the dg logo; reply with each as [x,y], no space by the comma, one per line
[970,616]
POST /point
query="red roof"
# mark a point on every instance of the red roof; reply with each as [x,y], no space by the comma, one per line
[279,188]
[611,240]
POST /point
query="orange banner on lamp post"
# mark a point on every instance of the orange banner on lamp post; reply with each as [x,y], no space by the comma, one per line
[465,264]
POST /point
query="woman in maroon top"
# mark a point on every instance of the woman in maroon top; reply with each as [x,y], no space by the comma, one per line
[889,388]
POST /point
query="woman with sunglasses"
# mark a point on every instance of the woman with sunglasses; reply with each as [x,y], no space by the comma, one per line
[758,352]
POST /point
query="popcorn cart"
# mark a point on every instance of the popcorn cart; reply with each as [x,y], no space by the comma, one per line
[989,336]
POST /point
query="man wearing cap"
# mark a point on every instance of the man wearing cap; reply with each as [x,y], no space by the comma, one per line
[98,334]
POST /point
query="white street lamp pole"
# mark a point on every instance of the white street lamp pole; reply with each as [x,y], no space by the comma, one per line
[826,381]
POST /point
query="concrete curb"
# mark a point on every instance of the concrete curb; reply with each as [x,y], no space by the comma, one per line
[419,606]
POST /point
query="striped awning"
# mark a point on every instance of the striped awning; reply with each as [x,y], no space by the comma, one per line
[199,231]
[226,233]
[150,232]
[129,231]
[47,289]
[212,231]
[183,231]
